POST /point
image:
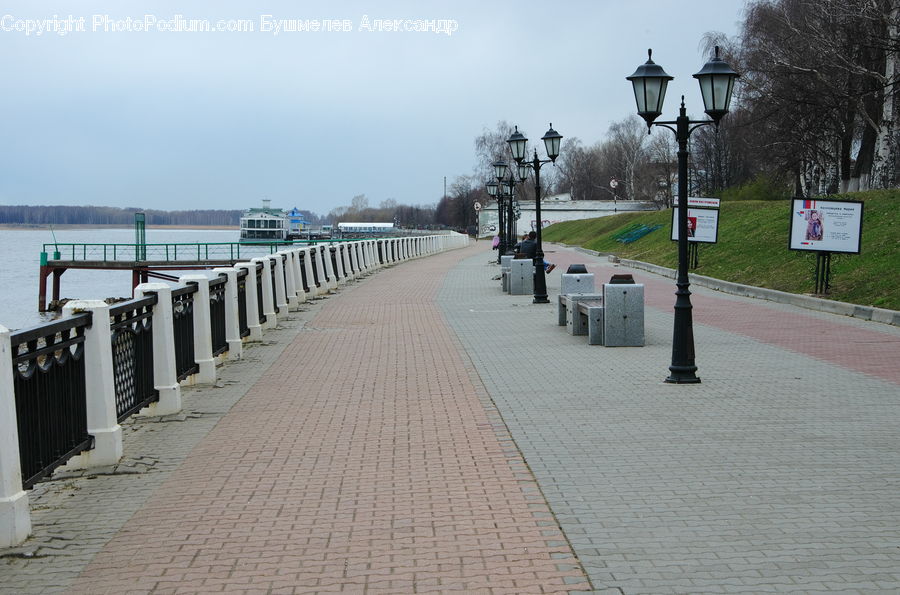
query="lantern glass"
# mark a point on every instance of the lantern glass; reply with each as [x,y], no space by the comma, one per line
[517,143]
[716,80]
[492,188]
[649,82]
[523,171]
[500,169]
[551,143]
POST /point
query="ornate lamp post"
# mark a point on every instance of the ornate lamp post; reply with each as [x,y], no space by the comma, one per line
[517,144]
[716,80]
[511,203]
[494,192]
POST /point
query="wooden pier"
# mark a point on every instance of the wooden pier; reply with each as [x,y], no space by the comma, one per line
[145,261]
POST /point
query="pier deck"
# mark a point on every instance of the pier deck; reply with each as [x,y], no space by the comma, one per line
[422,431]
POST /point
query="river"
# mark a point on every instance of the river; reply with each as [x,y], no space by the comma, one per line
[20,252]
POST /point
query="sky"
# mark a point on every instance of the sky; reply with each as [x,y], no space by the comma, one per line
[147,113]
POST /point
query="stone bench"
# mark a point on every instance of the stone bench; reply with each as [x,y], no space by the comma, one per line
[521,276]
[567,312]
[589,314]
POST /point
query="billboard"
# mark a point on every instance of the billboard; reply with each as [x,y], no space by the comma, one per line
[703,225]
[826,225]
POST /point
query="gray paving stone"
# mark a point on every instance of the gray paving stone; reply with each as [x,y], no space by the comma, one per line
[779,467]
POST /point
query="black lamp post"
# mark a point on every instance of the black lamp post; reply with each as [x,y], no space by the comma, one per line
[511,231]
[517,144]
[494,192]
[716,84]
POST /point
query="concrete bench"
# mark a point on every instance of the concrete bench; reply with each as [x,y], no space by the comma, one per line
[521,277]
[504,272]
[623,323]
[590,320]
[567,312]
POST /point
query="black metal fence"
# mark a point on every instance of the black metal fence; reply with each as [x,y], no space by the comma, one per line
[183,323]
[131,328]
[259,291]
[51,409]
[243,327]
[303,280]
[217,314]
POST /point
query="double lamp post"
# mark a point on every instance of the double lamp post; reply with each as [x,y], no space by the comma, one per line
[716,80]
[518,146]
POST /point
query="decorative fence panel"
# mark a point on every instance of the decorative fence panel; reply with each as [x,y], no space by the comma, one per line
[51,409]
[243,327]
[183,321]
[217,314]
[259,291]
[131,327]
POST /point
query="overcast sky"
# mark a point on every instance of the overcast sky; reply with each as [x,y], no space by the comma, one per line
[185,120]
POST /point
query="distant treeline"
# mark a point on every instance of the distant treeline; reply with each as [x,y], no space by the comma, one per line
[62,215]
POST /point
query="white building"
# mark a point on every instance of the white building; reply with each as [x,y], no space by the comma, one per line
[554,209]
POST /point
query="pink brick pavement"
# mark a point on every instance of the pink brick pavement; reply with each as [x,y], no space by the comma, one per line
[364,460]
[868,350]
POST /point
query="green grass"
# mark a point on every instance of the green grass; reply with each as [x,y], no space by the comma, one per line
[753,248]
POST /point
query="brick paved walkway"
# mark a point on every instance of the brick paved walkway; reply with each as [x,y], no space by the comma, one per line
[364,460]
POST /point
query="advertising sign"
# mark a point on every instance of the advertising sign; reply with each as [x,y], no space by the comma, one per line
[703,225]
[826,225]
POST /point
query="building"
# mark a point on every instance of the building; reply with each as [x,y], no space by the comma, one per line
[264,224]
[554,209]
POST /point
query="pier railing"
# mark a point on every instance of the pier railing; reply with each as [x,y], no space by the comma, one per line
[65,386]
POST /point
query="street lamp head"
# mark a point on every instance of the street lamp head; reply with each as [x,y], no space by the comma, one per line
[517,142]
[551,142]
[649,82]
[716,84]
[492,188]
[500,170]
[523,170]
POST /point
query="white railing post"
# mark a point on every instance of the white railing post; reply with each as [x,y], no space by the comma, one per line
[308,267]
[99,388]
[15,516]
[320,269]
[298,275]
[290,287]
[251,301]
[203,352]
[329,266]
[280,292]
[348,260]
[339,264]
[232,317]
[165,368]
[267,293]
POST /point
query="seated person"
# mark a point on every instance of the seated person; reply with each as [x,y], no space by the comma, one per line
[528,247]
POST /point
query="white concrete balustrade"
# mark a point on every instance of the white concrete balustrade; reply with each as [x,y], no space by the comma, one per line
[349,261]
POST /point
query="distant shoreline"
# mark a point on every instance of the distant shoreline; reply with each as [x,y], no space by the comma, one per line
[24,226]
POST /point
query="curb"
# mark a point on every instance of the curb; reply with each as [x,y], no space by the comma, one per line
[880,315]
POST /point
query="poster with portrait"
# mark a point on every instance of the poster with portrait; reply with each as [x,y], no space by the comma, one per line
[703,225]
[826,225]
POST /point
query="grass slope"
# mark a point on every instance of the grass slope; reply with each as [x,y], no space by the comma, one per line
[753,248]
